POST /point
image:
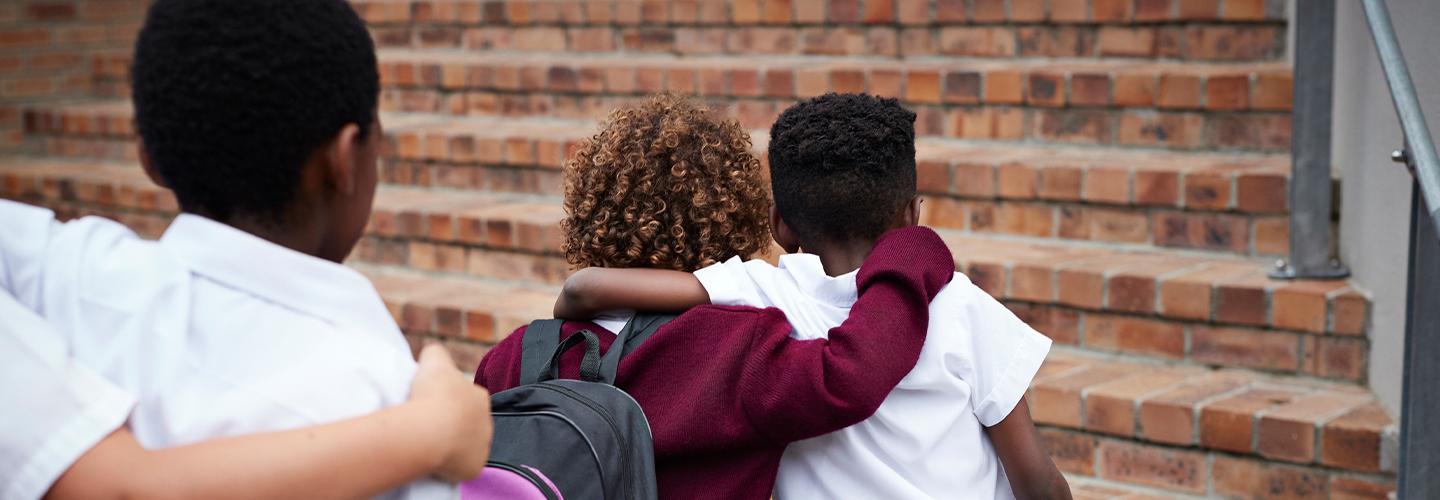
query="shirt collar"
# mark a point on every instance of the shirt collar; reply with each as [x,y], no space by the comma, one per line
[809,274]
[303,283]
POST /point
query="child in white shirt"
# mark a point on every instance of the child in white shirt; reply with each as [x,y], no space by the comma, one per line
[261,117]
[843,172]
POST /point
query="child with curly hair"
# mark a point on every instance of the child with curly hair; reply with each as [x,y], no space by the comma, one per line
[668,185]
[842,169]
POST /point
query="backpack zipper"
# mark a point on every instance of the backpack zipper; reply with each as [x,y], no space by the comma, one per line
[541,484]
[625,484]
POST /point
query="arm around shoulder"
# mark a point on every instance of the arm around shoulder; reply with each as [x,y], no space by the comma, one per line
[807,388]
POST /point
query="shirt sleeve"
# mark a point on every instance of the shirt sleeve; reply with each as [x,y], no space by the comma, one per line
[730,284]
[24,238]
[65,409]
[1005,353]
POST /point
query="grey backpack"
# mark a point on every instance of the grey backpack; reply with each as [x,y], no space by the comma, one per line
[585,438]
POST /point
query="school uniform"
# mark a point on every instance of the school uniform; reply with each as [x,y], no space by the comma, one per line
[217,332]
[725,389]
[56,409]
[928,438]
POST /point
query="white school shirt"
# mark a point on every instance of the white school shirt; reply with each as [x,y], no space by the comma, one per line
[56,409]
[927,440]
[216,331]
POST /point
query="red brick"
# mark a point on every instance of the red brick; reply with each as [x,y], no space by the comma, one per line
[913,12]
[1241,478]
[977,41]
[922,86]
[1135,335]
[1089,90]
[1127,42]
[1017,181]
[809,12]
[1243,10]
[1349,312]
[1198,9]
[1301,305]
[1156,187]
[1046,89]
[1245,348]
[1153,10]
[1150,128]
[1080,286]
[945,213]
[1147,465]
[1107,185]
[847,81]
[1209,191]
[1027,10]
[1178,91]
[1171,417]
[879,11]
[1288,432]
[745,11]
[1015,218]
[1055,41]
[1069,10]
[1273,91]
[1229,424]
[1074,126]
[1072,452]
[1227,92]
[1056,400]
[1352,441]
[975,179]
[1134,90]
[1272,235]
[1004,87]
[1356,488]
[1060,183]
[777,11]
[1032,283]
[1335,357]
[1111,408]
[1262,192]
[1233,42]
[962,87]
[949,11]
[12,38]
[1211,232]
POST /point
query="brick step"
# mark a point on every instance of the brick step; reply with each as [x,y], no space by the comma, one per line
[1199,309]
[1110,423]
[1198,30]
[1229,203]
[1183,106]
[1171,429]
[1226,433]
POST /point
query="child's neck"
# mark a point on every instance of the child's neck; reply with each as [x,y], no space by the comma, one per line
[307,239]
[843,257]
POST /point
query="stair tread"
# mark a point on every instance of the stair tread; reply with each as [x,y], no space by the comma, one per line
[1269,405]
[1147,282]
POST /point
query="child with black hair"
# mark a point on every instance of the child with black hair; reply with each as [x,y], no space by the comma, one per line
[261,117]
[843,173]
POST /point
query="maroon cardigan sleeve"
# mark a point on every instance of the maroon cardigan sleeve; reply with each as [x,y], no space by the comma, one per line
[801,389]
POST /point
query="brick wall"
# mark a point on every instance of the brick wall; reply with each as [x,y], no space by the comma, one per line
[54,50]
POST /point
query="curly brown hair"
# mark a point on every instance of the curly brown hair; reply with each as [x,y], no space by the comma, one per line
[666,184]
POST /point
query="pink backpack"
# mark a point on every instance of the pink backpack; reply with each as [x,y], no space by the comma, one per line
[504,481]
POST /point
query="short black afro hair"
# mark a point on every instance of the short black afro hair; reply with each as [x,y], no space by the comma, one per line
[842,166]
[232,97]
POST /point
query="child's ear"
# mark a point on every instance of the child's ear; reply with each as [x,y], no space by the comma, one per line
[912,212]
[782,233]
[339,156]
[149,166]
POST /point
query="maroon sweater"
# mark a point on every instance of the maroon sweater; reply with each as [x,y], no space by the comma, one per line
[726,389]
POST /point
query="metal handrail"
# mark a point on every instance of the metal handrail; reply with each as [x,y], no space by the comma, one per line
[1419,153]
[1419,401]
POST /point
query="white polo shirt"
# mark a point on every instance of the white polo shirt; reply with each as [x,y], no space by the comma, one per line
[928,438]
[216,331]
[57,409]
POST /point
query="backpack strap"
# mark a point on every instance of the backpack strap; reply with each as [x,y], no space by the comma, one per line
[639,329]
[589,365]
[538,344]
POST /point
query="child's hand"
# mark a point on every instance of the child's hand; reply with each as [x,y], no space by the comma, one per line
[460,412]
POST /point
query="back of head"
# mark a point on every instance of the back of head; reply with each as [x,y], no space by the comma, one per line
[232,97]
[842,166]
[665,184]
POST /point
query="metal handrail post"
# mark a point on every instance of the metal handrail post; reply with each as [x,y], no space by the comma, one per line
[1311,191]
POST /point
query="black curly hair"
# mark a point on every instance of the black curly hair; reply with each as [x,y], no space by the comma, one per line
[842,166]
[233,97]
